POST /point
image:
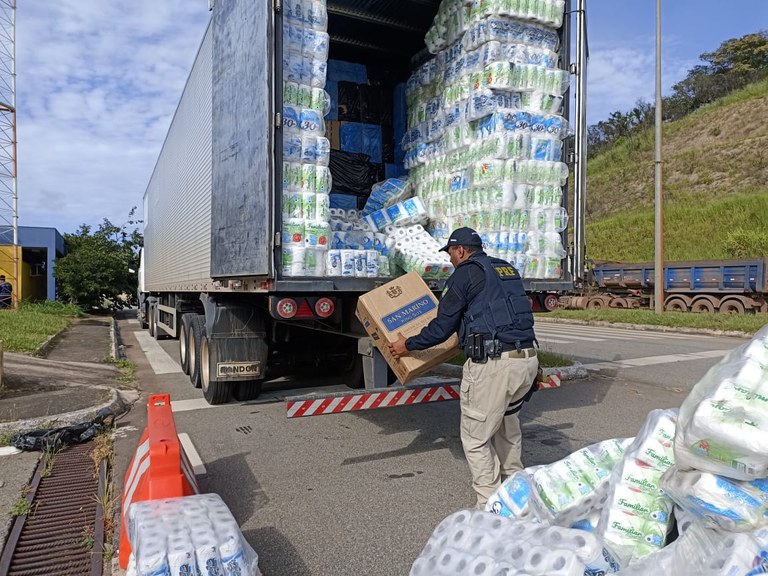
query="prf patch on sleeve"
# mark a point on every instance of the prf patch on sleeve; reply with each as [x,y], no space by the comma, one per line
[506,272]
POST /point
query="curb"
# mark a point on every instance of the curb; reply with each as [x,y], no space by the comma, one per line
[575,372]
[120,402]
[44,348]
[645,327]
[118,348]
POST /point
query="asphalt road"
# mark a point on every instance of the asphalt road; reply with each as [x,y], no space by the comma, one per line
[360,493]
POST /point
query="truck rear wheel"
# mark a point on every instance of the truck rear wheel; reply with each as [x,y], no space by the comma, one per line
[151,320]
[215,391]
[184,337]
[194,343]
[246,390]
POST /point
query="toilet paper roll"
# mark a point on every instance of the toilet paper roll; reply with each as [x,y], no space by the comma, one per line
[317,234]
[323,205]
[314,263]
[372,264]
[481,566]
[338,240]
[292,205]
[361,264]
[721,427]
[323,180]
[637,475]
[650,507]
[596,559]
[378,220]
[293,260]
[535,560]
[347,263]
[725,503]
[333,263]
[293,231]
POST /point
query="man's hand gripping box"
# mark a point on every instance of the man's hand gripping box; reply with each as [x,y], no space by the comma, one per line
[403,306]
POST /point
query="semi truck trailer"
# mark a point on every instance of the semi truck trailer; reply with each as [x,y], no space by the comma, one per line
[211,271]
[729,286]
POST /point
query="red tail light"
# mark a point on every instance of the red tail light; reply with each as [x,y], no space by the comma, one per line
[324,307]
[287,308]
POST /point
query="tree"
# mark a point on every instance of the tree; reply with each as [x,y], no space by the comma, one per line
[100,267]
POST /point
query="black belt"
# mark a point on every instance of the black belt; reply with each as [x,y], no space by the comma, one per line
[526,349]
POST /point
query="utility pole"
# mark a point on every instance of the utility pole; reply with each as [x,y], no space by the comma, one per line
[658,285]
[9,199]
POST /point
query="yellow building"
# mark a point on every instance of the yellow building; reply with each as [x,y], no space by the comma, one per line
[37,250]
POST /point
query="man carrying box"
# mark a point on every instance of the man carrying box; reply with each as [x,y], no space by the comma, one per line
[485,302]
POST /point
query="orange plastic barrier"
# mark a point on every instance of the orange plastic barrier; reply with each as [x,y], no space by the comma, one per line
[159,468]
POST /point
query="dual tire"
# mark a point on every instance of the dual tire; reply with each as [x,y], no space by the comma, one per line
[194,353]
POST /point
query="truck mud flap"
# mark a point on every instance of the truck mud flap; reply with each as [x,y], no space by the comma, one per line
[392,397]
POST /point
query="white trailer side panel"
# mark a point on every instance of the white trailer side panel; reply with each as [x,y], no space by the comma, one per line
[177,203]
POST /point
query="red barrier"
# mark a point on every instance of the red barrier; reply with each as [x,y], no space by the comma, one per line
[159,468]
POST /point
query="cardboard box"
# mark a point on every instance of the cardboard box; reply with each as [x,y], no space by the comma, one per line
[405,305]
[333,133]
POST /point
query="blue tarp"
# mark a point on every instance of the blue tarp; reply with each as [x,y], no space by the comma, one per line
[361,138]
[340,71]
[394,170]
[399,121]
[344,201]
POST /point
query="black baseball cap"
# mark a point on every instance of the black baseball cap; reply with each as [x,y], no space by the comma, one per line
[463,237]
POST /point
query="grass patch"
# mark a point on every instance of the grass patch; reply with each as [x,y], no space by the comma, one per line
[25,329]
[692,231]
[546,358]
[747,323]
[127,370]
[22,507]
[5,437]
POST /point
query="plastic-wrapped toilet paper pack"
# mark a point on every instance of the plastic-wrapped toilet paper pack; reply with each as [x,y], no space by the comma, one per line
[387,193]
[190,535]
[636,520]
[720,502]
[561,486]
[512,499]
[478,543]
[723,419]
[703,551]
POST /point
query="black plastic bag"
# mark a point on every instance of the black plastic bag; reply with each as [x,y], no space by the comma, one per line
[349,102]
[353,173]
[56,438]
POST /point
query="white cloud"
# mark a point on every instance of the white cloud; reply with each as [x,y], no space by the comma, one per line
[620,75]
[97,84]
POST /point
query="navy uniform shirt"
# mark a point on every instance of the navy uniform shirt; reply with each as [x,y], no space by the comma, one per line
[466,282]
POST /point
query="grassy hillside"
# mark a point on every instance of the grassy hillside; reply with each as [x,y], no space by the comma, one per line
[715,185]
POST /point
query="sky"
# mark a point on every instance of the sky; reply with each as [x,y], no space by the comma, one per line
[98,82]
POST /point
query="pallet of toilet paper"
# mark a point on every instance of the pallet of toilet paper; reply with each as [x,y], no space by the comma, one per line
[189,535]
[687,496]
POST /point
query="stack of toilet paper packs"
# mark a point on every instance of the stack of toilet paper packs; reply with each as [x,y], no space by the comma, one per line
[189,535]
[687,496]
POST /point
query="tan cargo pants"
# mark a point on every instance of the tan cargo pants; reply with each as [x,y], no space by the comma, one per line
[492,441]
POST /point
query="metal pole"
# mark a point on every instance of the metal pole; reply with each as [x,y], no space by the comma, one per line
[15,291]
[658,287]
[580,145]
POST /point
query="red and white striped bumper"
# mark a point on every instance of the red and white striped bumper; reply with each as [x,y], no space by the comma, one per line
[339,402]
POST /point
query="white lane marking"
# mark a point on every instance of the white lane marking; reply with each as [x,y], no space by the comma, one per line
[651,360]
[132,321]
[553,340]
[575,337]
[618,333]
[194,458]
[158,358]
[187,405]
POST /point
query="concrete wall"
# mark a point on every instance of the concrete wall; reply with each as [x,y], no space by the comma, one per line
[32,237]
